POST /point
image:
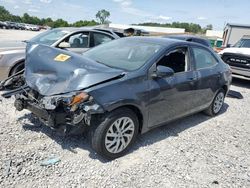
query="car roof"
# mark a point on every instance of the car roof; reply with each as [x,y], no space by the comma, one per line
[246,37]
[182,36]
[105,29]
[158,40]
[73,29]
[89,29]
[76,29]
[203,41]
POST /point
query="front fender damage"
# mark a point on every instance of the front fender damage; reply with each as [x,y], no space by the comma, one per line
[89,109]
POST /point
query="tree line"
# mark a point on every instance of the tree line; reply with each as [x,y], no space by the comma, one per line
[101,16]
[5,15]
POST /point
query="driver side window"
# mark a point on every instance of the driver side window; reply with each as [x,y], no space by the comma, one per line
[176,59]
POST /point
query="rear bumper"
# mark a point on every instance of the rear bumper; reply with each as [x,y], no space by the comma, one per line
[240,71]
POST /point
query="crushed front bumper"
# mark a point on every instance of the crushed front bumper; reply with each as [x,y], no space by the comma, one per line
[55,118]
[54,111]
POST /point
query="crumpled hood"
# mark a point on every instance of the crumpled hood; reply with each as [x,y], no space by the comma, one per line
[245,51]
[52,71]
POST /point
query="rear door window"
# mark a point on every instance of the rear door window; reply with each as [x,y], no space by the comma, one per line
[203,58]
[100,38]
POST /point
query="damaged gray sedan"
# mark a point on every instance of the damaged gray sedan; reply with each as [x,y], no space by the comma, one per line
[120,89]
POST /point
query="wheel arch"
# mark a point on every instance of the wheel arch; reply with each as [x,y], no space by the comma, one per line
[135,109]
[18,62]
[226,88]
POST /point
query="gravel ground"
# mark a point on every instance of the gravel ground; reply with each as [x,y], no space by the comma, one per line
[197,151]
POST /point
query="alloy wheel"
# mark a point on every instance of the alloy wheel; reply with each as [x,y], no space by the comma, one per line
[119,135]
[218,102]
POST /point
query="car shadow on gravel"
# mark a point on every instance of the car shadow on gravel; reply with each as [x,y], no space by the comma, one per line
[173,129]
[70,143]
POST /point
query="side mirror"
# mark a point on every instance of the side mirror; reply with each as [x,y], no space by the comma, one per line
[162,71]
[64,45]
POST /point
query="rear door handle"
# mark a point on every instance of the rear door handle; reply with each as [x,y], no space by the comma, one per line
[192,78]
[219,74]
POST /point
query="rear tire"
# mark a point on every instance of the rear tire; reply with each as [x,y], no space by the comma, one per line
[217,103]
[115,133]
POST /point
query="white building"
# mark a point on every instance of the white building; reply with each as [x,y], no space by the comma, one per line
[214,34]
[234,32]
[150,29]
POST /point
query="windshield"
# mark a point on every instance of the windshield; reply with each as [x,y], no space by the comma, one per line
[243,43]
[49,37]
[123,54]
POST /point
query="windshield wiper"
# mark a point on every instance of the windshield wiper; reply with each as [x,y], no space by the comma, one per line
[113,67]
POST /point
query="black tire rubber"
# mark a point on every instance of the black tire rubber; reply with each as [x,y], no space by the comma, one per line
[99,132]
[18,67]
[210,110]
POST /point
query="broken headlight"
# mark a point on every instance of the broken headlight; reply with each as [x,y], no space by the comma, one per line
[71,102]
[79,98]
[74,101]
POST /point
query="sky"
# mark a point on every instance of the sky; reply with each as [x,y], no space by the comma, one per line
[203,12]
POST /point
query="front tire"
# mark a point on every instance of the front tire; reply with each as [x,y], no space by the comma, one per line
[217,104]
[116,133]
[17,68]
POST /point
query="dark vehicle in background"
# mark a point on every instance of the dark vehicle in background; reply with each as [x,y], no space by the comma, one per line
[123,33]
[120,89]
[191,38]
[12,25]
[238,57]
[135,32]
[3,25]
[21,26]
[77,40]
